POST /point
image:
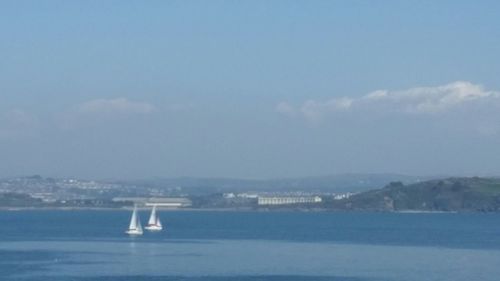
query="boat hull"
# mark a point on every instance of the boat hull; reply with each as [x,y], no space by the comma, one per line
[134,232]
[153,228]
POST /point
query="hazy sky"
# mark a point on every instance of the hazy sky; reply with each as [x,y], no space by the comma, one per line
[254,89]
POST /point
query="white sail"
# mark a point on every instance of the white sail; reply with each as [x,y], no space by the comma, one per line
[154,223]
[135,227]
[158,222]
[152,217]
[133,220]
[139,225]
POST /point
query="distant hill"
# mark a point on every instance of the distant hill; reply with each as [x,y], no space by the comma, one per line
[452,194]
[332,183]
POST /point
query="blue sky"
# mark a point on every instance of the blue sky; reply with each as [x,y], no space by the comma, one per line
[254,89]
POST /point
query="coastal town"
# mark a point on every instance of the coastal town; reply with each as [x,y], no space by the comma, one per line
[361,192]
[37,191]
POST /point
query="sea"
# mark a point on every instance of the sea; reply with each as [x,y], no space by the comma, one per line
[91,245]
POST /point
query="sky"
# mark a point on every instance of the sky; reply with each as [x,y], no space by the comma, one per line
[249,89]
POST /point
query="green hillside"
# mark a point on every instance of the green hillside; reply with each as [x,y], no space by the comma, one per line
[452,194]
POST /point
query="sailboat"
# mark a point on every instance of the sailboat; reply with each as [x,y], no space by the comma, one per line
[154,223]
[135,227]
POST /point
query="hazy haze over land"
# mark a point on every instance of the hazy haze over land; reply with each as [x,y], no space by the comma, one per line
[252,89]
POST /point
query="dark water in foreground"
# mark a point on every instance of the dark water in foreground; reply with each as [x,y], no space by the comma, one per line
[250,246]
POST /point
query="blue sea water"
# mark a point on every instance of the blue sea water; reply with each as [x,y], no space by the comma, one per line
[250,246]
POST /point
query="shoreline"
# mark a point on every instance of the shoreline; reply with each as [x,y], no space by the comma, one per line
[301,210]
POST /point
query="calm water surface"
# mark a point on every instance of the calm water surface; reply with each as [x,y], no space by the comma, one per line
[250,246]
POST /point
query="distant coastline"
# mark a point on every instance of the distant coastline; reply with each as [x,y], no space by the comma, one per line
[471,194]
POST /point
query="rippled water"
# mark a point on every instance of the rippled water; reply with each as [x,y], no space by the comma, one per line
[250,246]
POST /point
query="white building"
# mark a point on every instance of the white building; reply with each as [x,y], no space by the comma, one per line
[275,200]
[342,196]
[166,202]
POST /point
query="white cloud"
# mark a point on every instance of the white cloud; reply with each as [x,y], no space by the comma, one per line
[314,110]
[118,105]
[431,99]
[421,100]
[376,95]
[285,108]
